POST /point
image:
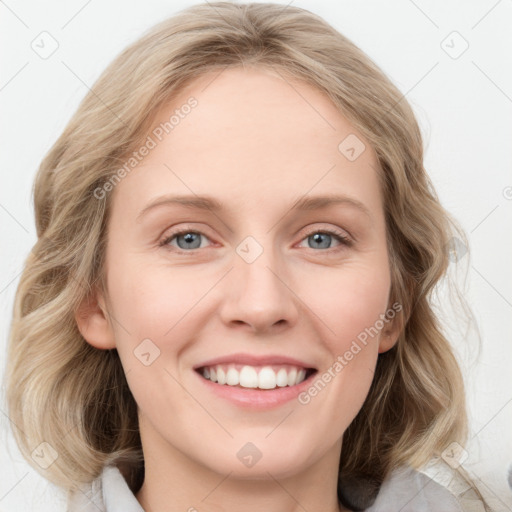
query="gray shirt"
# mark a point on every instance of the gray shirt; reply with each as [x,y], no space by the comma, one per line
[405,490]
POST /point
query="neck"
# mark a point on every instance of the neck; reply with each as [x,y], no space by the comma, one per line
[174,482]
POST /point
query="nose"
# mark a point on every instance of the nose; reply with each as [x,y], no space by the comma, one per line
[259,296]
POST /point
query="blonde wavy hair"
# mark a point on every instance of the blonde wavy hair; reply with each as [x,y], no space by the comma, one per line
[63,391]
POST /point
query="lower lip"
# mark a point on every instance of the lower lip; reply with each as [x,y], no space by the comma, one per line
[254,398]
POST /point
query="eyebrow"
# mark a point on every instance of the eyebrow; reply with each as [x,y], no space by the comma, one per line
[212,204]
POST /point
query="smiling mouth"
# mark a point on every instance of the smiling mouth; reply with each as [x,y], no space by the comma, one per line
[265,377]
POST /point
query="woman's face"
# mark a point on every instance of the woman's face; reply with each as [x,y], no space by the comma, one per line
[259,281]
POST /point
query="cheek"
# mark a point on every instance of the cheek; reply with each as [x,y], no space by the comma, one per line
[350,314]
[153,299]
[155,312]
[350,301]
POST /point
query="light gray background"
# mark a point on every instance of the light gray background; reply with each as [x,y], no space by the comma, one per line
[464,106]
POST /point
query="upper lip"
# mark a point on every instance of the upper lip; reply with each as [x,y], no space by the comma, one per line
[253,360]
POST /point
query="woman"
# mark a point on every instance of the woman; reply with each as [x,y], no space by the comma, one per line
[175,346]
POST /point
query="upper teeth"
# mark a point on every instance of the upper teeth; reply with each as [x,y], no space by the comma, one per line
[255,377]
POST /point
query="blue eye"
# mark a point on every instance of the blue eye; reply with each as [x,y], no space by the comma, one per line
[187,239]
[323,237]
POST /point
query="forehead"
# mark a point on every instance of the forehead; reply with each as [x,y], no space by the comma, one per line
[254,136]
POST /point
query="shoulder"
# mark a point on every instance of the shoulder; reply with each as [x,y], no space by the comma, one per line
[431,490]
[406,489]
[107,493]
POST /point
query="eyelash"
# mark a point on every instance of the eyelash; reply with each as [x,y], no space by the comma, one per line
[344,240]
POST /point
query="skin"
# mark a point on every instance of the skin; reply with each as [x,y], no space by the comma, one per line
[252,140]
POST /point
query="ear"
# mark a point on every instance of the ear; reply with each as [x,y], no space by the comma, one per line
[390,334]
[93,321]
